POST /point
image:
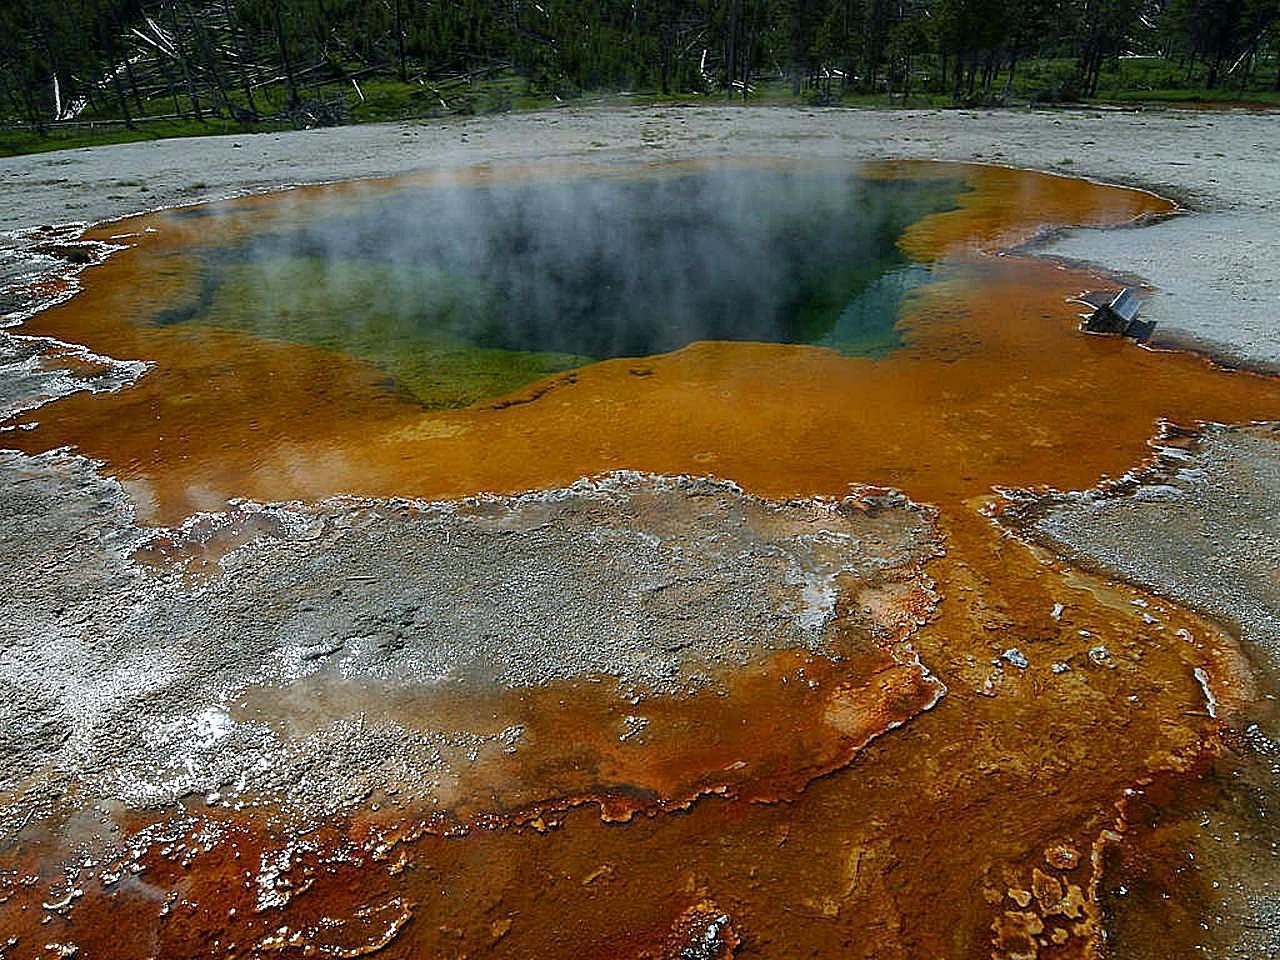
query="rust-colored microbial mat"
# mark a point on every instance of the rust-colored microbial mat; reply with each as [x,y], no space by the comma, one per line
[933,753]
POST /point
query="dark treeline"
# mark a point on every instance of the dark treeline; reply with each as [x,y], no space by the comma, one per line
[251,59]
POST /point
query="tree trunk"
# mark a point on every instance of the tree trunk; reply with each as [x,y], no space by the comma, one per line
[246,85]
[9,94]
[32,107]
[117,30]
[665,44]
[182,62]
[121,98]
[284,54]
[210,58]
[173,89]
[108,39]
[731,49]
[133,85]
[91,100]
[403,74]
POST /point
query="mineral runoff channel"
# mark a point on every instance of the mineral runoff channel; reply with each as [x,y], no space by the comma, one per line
[306,657]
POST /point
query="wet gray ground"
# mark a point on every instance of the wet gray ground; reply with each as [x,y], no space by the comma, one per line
[1208,505]
[1217,288]
[130,658]
[1200,524]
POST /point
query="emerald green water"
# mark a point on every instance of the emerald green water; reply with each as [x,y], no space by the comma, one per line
[469,292]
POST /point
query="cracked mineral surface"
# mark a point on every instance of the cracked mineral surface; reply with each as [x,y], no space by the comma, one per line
[339,621]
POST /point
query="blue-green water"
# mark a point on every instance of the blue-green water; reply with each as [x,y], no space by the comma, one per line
[468,292]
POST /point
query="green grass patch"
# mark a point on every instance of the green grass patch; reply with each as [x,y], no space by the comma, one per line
[15,141]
